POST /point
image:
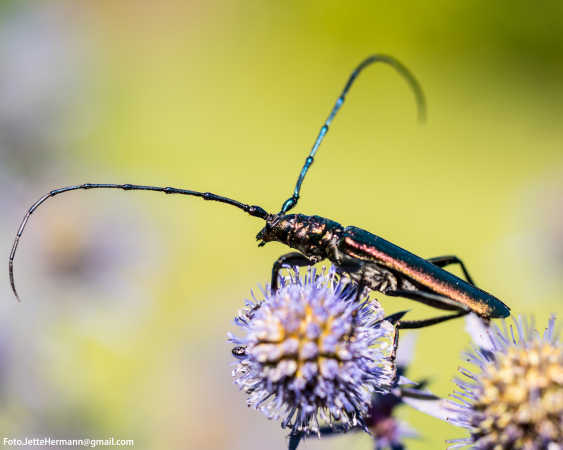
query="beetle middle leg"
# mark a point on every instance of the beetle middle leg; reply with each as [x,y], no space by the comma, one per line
[393,355]
[443,261]
[292,259]
[361,286]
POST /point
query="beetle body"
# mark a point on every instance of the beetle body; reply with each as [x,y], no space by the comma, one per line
[378,264]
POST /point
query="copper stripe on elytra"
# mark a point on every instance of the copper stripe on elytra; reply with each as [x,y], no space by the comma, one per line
[423,278]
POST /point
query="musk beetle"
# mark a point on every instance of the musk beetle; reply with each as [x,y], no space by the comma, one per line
[368,260]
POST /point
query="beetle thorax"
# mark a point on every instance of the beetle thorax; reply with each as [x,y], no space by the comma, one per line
[311,235]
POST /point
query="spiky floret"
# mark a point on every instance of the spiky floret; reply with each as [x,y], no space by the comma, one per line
[515,400]
[312,354]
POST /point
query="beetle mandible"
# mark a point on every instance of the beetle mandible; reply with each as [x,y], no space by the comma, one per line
[368,260]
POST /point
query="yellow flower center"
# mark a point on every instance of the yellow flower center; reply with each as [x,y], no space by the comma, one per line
[522,397]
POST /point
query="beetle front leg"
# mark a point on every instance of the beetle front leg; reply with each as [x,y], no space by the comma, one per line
[292,259]
[443,261]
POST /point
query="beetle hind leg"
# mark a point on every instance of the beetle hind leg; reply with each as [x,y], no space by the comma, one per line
[414,324]
[430,299]
[443,261]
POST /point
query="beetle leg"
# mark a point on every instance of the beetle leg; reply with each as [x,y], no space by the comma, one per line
[293,259]
[434,300]
[395,317]
[443,261]
[361,285]
[393,355]
[437,301]
[412,324]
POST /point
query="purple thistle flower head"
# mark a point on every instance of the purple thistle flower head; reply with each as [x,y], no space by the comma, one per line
[515,400]
[312,354]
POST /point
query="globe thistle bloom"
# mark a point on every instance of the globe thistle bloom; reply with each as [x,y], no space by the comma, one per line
[515,400]
[314,352]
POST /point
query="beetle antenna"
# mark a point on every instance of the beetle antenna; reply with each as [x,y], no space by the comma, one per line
[253,210]
[403,71]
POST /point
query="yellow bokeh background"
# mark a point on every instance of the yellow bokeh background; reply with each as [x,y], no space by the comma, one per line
[228,96]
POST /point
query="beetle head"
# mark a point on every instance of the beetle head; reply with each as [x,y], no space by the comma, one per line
[276,229]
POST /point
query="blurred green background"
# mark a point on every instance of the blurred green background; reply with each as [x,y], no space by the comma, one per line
[127,297]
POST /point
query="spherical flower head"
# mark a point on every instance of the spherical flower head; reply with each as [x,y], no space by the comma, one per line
[313,352]
[515,401]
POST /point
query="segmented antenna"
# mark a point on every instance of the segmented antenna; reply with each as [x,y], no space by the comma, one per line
[403,71]
[253,210]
